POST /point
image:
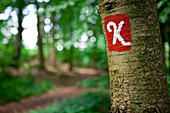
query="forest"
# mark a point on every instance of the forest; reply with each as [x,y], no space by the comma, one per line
[53,56]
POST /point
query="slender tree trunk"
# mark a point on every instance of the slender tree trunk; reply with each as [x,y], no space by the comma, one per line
[94,57]
[72,47]
[40,43]
[17,53]
[53,46]
[137,77]
[71,58]
[95,51]
[40,26]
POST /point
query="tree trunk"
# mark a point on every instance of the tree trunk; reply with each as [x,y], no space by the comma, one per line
[53,57]
[95,51]
[40,26]
[71,51]
[71,58]
[137,77]
[17,53]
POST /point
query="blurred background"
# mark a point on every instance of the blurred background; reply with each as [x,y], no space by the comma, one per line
[53,57]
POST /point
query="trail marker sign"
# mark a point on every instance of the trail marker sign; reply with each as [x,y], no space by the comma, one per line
[118,32]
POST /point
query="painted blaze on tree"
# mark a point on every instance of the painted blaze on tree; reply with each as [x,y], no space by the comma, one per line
[118,32]
[135,56]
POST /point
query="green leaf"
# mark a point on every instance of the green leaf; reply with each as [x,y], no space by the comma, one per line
[71,3]
[160,3]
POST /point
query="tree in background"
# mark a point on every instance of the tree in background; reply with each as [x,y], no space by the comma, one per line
[20,5]
[53,57]
[53,30]
[40,26]
[137,77]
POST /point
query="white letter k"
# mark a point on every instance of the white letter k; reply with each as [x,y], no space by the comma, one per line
[116,34]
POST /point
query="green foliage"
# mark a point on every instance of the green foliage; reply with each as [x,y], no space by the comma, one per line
[97,101]
[101,81]
[5,3]
[60,6]
[168,79]
[2,36]
[5,55]
[29,53]
[12,89]
[6,49]
[164,7]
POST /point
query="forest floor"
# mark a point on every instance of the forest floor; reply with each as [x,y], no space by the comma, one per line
[63,89]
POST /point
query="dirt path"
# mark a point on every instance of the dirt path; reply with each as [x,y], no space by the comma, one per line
[64,89]
[40,101]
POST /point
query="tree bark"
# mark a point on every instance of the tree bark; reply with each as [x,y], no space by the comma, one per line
[40,25]
[137,77]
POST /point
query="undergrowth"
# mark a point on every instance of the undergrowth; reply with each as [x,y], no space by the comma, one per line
[97,101]
[101,82]
[13,89]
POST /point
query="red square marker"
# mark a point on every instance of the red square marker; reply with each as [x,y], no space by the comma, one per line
[118,32]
